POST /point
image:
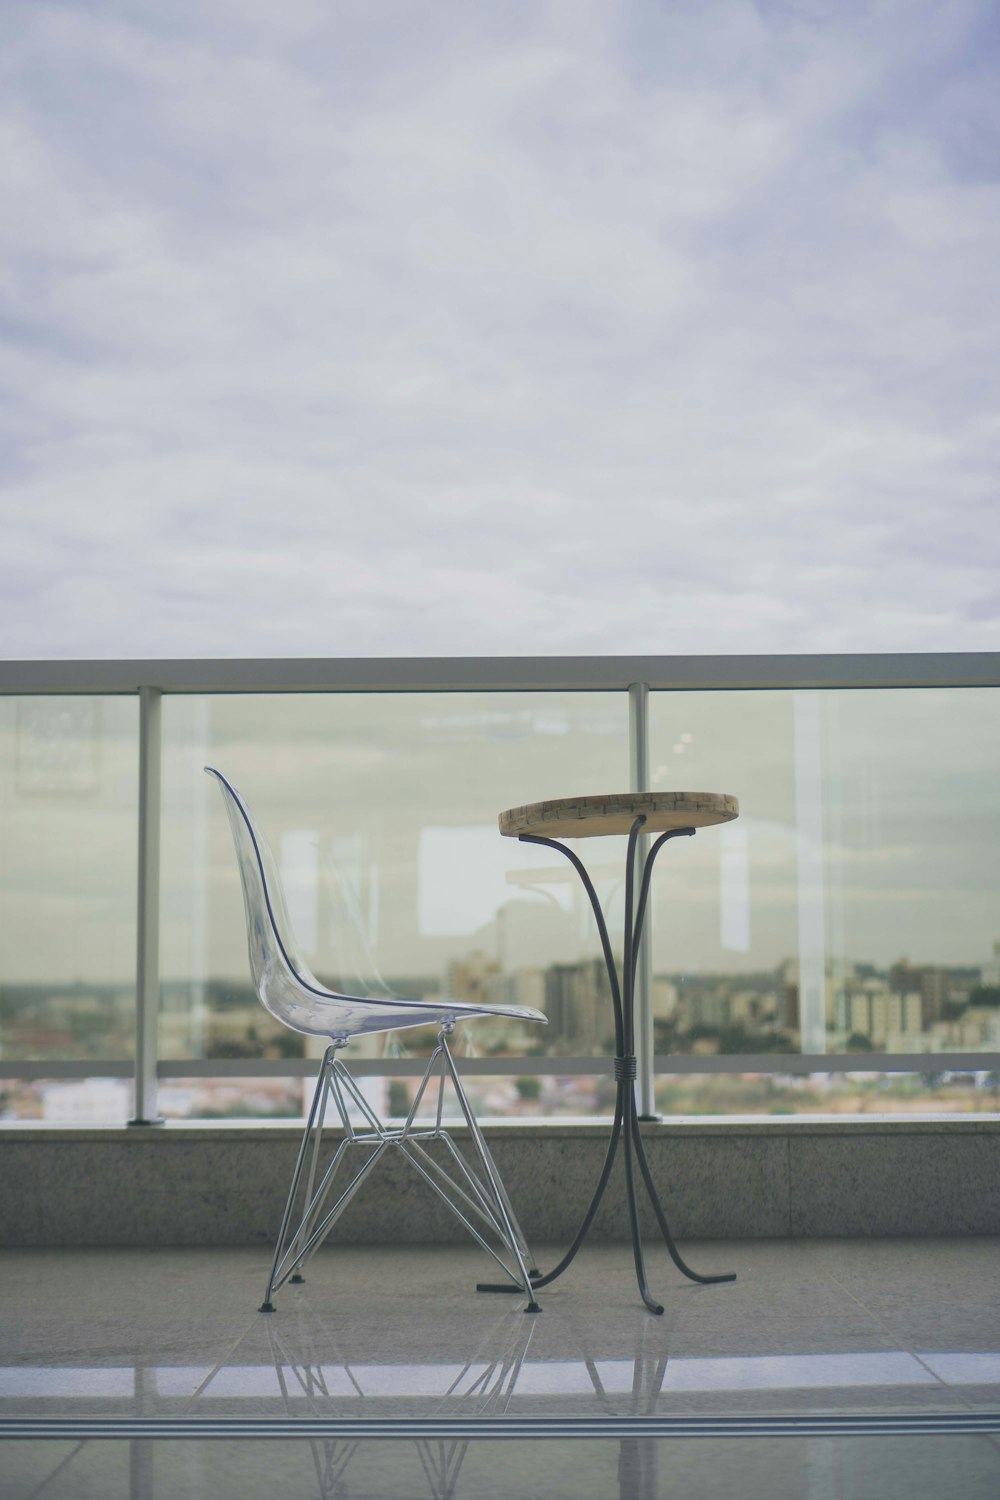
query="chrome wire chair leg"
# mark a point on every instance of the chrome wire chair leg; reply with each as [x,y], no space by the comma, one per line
[481,1202]
[296,1277]
[321,1086]
[502,1194]
[482,1194]
[295,1248]
[513,1234]
[476,1201]
[344,1089]
[463,1190]
[321,1231]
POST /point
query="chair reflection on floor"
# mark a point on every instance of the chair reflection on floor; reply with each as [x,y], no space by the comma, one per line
[318,1377]
[483,1387]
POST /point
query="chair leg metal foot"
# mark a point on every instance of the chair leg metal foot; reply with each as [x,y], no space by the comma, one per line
[532,1307]
[297,1280]
[266,1307]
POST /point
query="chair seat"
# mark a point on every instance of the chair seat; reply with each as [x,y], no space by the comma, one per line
[355,1015]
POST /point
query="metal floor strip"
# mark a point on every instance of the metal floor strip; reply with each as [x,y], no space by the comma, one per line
[499,1428]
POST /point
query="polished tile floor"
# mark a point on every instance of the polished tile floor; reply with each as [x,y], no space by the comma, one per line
[828,1369]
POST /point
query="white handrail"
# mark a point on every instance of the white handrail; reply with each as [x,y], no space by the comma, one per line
[421,674]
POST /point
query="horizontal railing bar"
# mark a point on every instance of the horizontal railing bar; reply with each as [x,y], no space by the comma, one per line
[736,1062]
[778,1063]
[599,1425]
[471,674]
[99,1067]
[380,1067]
[827,1062]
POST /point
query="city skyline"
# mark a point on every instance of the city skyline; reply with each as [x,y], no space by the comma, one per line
[954,1007]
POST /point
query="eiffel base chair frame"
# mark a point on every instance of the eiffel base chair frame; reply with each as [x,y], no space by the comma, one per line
[478,1200]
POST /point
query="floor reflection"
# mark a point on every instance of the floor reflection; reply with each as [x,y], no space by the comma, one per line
[310,1375]
[381,1341]
[307,1376]
[304,1366]
[311,1378]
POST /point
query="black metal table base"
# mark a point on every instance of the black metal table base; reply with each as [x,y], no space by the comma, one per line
[626,1121]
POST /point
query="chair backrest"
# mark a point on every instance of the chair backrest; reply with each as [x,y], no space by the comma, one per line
[281,975]
[284,982]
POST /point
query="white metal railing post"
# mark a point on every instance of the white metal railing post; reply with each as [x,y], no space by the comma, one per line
[638,738]
[147,982]
[808,731]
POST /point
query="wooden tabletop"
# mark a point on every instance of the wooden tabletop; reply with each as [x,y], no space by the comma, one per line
[615,812]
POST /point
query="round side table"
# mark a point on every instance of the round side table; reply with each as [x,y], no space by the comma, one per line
[670,815]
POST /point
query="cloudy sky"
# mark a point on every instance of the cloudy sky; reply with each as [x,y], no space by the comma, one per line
[363,327]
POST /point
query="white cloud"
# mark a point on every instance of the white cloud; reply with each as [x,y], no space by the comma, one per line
[449,330]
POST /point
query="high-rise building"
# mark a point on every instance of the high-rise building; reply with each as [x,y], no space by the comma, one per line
[577,1005]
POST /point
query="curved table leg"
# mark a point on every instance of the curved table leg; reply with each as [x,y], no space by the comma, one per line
[661,1219]
[631,1132]
[634,1136]
[626,1118]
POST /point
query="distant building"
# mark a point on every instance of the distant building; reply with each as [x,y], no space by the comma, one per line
[936,992]
[905,978]
[577,1005]
[470,978]
[664,997]
[523,987]
[989,974]
[788,1000]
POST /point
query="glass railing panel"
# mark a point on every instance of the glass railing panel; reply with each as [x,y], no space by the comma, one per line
[723,908]
[68,798]
[910,798]
[382,813]
[853,906]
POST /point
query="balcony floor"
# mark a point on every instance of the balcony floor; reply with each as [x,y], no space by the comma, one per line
[822,1337]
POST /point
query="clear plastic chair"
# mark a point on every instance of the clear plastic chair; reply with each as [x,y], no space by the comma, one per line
[294,996]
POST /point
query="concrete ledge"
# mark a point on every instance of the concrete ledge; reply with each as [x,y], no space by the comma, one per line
[225,1184]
